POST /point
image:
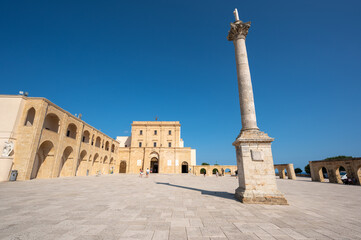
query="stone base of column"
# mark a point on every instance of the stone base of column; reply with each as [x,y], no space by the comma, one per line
[253,197]
[256,175]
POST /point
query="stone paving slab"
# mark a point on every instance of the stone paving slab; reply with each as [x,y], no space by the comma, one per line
[173,207]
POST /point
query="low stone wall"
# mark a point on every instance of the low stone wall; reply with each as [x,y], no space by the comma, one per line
[196,170]
[331,170]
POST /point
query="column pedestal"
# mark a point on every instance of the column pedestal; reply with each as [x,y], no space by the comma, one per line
[256,175]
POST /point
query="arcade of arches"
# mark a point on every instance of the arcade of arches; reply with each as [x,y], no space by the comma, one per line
[333,170]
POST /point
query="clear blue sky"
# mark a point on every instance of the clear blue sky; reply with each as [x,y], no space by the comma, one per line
[116,62]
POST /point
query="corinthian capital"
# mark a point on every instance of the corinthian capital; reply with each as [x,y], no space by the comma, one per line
[239,29]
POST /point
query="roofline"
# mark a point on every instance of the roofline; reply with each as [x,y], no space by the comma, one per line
[56,106]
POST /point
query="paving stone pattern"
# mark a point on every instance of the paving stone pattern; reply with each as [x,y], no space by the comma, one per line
[173,207]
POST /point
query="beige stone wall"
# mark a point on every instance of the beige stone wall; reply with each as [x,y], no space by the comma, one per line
[148,136]
[50,142]
[45,149]
[170,159]
[352,167]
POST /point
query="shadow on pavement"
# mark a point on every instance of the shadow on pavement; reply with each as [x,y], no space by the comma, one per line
[226,195]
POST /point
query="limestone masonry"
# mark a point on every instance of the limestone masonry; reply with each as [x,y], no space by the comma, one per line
[50,142]
[257,183]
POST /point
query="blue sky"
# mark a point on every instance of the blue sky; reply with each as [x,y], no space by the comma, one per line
[117,62]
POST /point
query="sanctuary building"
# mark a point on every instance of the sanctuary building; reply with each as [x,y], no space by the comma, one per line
[41,140]
[155,145]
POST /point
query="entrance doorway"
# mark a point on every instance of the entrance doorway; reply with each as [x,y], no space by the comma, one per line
[184,167]
[154,165]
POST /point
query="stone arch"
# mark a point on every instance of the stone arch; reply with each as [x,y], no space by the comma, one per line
[105,169]
[323,173]
[82,164]
[52,122]
[339,172]
[86,137]
[185,167]
[95,164]
[30,116]
[277,172]
[92,142]
[154,162]
[203,171]
[113,148]
[89,165]
[107,146]
[71,131]
[97,142]
[358,174]
[227,171]
[123,167]
[44,161]
[215,170]
[66,163]
[111,164]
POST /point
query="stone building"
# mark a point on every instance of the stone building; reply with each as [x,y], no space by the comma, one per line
[50,142]
[41,140]
[155,145]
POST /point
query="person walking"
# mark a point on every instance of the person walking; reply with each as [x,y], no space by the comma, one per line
[140,173]
[147,172]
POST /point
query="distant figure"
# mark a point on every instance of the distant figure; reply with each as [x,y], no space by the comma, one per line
[204,174]
[147,172]
[236,172]
[216,173]
[222,172]
[140,172]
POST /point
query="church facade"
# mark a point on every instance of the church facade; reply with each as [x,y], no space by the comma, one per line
[156,146]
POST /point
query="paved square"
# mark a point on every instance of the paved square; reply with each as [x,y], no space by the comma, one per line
[173,207]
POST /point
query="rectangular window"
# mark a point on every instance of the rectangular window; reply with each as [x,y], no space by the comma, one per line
[141,132]
[68,133]
[155,132]
[154,144]
[170,132]
[140,144]
[169,144]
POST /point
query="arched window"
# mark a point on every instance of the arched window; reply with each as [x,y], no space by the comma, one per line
[113,147]
[97,142]
[52,122]
[29,121]
[86,136]
[107,146]
[71,131]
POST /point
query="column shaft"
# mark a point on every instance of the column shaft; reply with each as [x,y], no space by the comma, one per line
[248,112]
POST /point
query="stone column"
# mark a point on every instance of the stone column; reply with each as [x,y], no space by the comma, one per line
[291,171]
[238,35]
[257,181]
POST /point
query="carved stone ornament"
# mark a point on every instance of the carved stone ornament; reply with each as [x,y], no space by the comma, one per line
[8,148]
[239,29]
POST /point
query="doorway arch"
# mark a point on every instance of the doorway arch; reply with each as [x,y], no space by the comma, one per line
[184,167]
[154,165]
[44,161]
[123,167]
[66,164]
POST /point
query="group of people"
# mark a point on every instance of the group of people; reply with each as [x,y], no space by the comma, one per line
[141,172]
